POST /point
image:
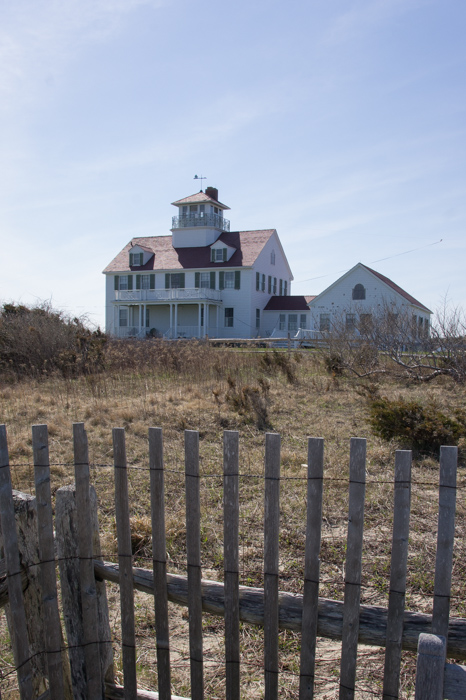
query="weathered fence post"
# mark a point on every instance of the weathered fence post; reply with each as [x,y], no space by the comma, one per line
[66,524]
[18,613]
[159,560]
[357,490]
[430,667]
[193,553]
[271,553]
[57,660]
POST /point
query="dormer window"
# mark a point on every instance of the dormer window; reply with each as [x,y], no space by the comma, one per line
[136,259]
[218,255]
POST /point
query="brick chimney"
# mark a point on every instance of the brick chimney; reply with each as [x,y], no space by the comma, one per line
[212,192]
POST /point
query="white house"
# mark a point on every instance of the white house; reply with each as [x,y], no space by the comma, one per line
[362,294]
[203,279]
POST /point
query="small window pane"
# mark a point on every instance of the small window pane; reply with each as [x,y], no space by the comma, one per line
[293,322]
[324,324]
[123,282]
[123,318]
[229,280]
[228,318]
[145,281]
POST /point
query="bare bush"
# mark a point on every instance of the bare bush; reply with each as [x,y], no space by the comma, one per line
[391,343]
[40,340]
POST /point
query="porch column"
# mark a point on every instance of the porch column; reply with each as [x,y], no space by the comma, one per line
[170,321]
[199,317]
[218,314]
[176,320]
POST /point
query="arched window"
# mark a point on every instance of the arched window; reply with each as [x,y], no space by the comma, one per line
[359,292]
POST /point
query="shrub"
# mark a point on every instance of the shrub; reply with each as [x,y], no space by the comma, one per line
[421,428]
[39,341]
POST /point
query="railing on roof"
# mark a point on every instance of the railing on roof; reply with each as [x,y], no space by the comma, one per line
[191,220]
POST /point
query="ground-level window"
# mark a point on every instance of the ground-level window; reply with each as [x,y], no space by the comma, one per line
[365,323]
[350,322]
[324,322]
[258,318]
[281,322]
[228,318]
[123,318]
[302,321]
[293,322]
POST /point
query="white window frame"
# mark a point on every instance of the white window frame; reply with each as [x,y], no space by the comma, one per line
[145,281]
[229,280]
[123,317]
[204,280]
[123,283]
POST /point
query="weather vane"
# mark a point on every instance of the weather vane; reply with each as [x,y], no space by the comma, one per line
[201,178]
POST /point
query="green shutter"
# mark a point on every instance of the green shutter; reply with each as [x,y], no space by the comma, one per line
[221,280]
[131,259]
[224,255]
[130,282]
[116,282]
[269,285]
[237,279]
[258,281]
[182,285]
[138,281]
[167,280]
[197,279]
[212,279]
[152,281]
[212,255]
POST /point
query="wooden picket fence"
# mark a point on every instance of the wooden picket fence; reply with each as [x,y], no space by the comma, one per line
[83,668]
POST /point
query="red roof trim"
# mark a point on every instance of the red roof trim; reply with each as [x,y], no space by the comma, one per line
[397,289]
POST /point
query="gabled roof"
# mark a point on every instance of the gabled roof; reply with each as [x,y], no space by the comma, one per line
[248,245]
[144,248]
[383,279]
[199,198]
[397,289]
[290,303]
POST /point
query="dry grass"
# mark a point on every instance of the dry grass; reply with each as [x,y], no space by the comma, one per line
[191,386]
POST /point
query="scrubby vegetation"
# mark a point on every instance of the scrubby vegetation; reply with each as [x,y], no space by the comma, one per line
[423,428]
[190,385]
[40,341]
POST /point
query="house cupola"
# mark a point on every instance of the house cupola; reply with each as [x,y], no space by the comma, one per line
[200,219]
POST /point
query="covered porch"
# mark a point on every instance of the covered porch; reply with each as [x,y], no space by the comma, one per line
[171,320]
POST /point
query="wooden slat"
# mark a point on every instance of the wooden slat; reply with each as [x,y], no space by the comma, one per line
[399,559]
[372,620]
[430,667]
[125,559]
[445,538]
[13,570]
[48,579]
[315,473]
[454,682]
[231,561]
[349,645]
[159,561]
[193,552]
[86,554]
[271,533]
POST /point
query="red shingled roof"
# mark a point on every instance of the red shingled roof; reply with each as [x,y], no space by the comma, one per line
[248,245]
[396,288]
[197,198]
[291,303]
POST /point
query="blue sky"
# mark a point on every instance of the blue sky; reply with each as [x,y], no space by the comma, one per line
[340,124]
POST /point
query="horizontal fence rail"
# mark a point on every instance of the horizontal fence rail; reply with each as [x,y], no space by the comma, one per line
[83,665]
